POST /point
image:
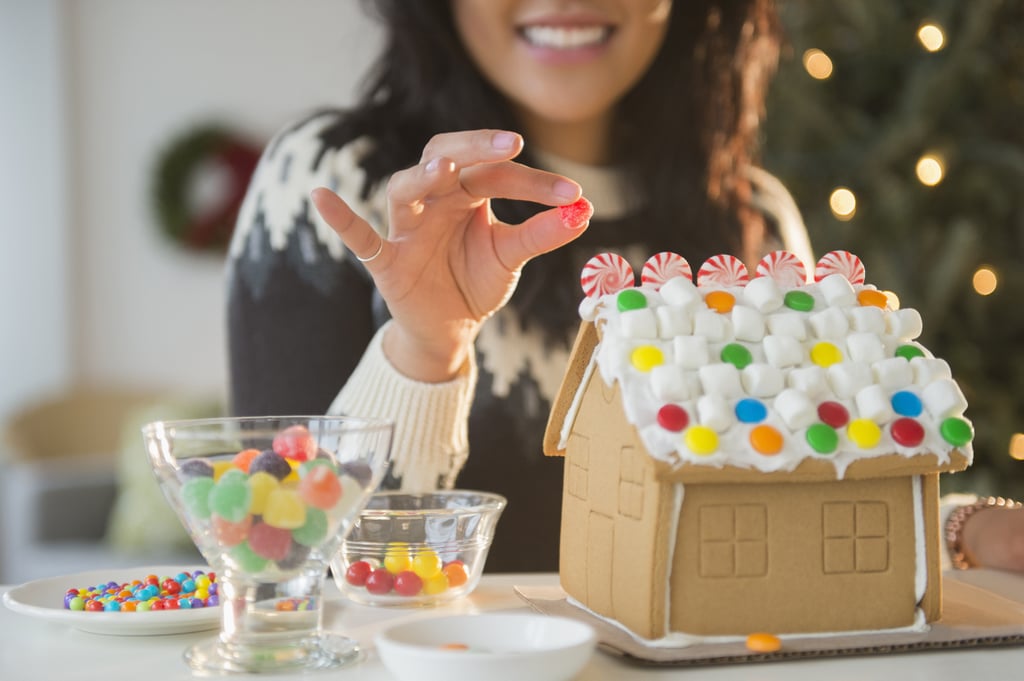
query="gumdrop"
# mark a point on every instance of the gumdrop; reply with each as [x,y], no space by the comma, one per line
[320,488]
[195,495]
[271,462]
[247,559]
[269,542]
[295,442]
[284,509]
[360,470]
[229,533]
[297,557]
[262,484]
[314,530]
[194,468]
[244,458]
[230,500]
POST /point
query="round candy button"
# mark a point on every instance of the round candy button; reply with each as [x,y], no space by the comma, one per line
[762,642]
[864,433]
[801,301]
[906,403]
[956,431]
[674,418]
[701,440]
[749,410]
[720,301]
[630,299]
[766,440]
[872,297]
[834,414]
[646,357]
[909,352]
[907,432]
[825,354]
[822,438]
[737,355]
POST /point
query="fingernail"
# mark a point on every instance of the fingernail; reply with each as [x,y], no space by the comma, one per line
[565,190]
[504,141]
[576,215]
[432,165]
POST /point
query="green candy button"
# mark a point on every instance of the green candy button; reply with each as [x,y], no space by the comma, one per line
[822,438]
[737,355]
[801,301]
[630,299]
[956,431]
[909,352]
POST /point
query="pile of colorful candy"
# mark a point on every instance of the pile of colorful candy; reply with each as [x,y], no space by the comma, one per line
[268,509]
[407,572]
[184,591]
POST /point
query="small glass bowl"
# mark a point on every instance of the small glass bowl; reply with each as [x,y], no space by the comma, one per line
[417,549]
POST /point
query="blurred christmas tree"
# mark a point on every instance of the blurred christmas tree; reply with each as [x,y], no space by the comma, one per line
[916,109]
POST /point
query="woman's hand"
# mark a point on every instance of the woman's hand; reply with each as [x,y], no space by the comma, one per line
[994,538]
[447,263]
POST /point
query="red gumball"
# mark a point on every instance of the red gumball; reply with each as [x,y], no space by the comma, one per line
[358,572]
[379,582]
[408,583]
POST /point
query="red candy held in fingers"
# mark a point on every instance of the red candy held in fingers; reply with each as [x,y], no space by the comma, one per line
[576,214]
[295,443]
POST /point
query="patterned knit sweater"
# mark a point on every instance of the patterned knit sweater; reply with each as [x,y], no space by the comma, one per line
[304,330]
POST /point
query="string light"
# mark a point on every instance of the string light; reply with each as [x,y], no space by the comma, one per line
[843,203]
[817,64]
[984,281]
[1017,446]
[930,170]
[931,37]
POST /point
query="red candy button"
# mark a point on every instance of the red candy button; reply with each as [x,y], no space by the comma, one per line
[674,418]
[833,414]
[907,432]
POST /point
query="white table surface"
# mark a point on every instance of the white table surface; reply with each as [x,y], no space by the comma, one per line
[31,648]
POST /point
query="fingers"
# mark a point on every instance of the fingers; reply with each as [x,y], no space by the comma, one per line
[473,146]
[354,231]
[542,233]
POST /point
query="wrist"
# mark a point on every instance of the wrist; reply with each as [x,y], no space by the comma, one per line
[438,360]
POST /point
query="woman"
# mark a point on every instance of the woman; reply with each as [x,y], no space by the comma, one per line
[651,106]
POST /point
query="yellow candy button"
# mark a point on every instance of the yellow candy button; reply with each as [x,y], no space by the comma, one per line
[864,433]
[720,301]
[871,297]
[646,357]
[826,354]
[701,440]
[766,440]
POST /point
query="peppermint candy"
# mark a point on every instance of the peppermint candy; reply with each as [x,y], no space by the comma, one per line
[784,267]
[723,270]
[606,273]
[840,262]
[663,266]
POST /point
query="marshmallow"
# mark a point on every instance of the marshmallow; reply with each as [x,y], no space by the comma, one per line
[763,294]
[848,378]
[669,383]
[942,398]
[830,322]
[721,379]
[691,352]
[681,292]
[795,408]
[713,411]
[673,321]
[788,324]
[810,380]
[869,319]
[893,373]
[747,324]
[873,403]
[762,380]
[837,290]
[905,324]
[639,323]
[710,324]
[928,369]
[783,351]
[865,346]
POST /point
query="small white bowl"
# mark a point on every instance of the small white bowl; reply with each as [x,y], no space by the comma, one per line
[492,646]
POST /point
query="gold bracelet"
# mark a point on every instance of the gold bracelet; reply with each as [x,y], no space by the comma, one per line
[958,518]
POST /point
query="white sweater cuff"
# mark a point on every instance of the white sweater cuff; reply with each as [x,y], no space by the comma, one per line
[431,441]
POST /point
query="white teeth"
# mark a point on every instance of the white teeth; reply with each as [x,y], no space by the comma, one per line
[565,37]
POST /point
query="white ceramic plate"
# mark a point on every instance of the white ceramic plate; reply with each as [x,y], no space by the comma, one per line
[492,646]
[44,598]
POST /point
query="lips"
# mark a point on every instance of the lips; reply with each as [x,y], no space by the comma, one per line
[565,37]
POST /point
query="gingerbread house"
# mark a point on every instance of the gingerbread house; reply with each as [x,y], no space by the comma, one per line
[751,454]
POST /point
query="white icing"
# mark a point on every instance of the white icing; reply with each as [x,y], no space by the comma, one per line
[920,551]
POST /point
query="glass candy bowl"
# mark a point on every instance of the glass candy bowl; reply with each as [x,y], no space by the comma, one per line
[268,501]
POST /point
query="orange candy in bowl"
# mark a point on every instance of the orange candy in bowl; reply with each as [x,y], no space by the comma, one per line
[417,549]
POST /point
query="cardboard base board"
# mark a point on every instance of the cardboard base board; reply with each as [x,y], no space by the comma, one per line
[974,616]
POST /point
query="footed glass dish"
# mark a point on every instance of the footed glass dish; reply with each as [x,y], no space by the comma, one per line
[268,501]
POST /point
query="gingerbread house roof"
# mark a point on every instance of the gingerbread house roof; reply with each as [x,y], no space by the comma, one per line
[785,373]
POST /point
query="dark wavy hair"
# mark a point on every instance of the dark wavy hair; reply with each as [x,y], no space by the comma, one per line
[683,134]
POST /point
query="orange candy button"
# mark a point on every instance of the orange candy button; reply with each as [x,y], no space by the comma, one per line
[766,440]
[763,643]
[720,301]
[872,297]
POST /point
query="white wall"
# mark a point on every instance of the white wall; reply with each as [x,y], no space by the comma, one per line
[130,308]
